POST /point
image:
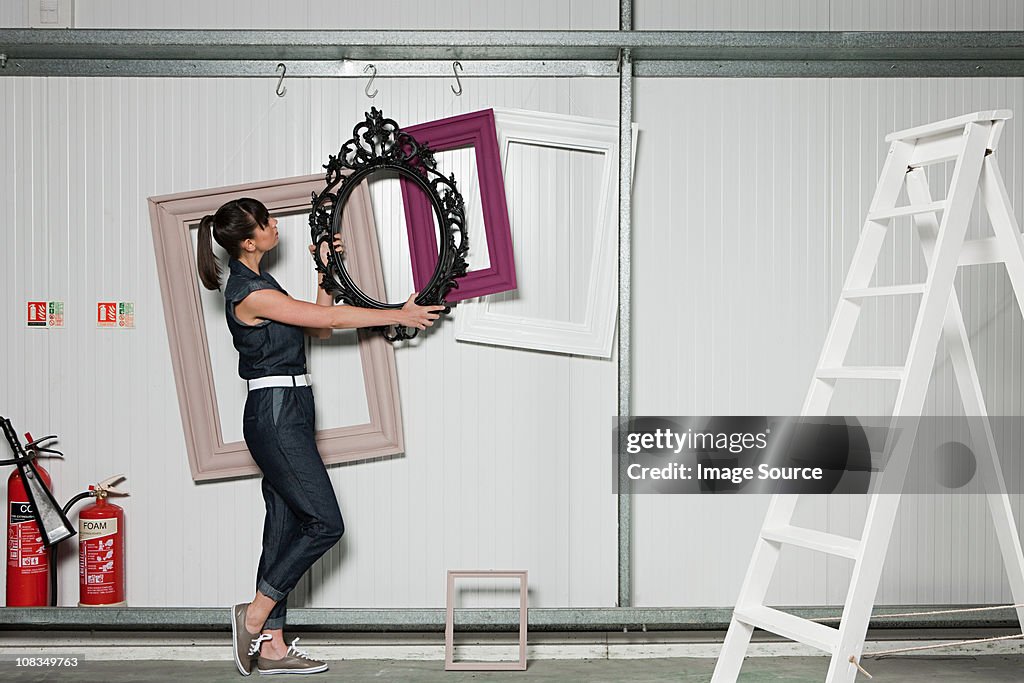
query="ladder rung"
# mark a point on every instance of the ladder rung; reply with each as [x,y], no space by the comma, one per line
[789,626]
[811,539]
[955,124]
[937,149]
[911,210]
[854,372]
[896,290]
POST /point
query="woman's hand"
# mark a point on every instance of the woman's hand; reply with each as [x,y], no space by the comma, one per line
[323,297]
[270,304]
[420,317]
[339,246]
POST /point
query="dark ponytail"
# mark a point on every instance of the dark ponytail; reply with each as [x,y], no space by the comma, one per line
[233,223]
[209,271]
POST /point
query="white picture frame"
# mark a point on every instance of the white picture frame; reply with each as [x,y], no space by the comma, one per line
[477,321]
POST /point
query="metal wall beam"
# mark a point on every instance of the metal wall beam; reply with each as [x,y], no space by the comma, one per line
[432,620]
[230,68]
[445,45]
[517,68]
[776,68]
[90,52]
[625,369]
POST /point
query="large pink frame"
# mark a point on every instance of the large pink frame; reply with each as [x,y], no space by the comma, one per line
[209,456]
[475,129]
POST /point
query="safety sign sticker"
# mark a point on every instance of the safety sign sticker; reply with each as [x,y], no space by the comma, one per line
[44,314]
[126,314]
[55,314]
[25,549]
[115,314]
[96,555]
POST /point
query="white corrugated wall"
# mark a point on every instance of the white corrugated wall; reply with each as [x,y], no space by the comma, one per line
[828,15]
[755,213]
[692,15]
[501,443]
[744,224]
[328,14]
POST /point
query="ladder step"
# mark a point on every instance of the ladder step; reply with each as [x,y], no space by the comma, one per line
[957,124]
[883,291]
[854,372]
[912,210]
[789,626]
[833,544]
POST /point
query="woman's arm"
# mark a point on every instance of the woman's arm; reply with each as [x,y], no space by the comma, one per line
[270,304]
[322,297]
[320,318]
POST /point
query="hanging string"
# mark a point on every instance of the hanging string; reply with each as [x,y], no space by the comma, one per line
[944,611]
[853,660]
[243,144]
[936,646]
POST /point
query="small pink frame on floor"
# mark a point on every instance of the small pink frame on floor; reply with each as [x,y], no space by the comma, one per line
[209,457]
[449,621]
[475,129]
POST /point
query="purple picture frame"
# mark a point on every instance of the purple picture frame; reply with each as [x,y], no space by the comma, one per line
[477,130]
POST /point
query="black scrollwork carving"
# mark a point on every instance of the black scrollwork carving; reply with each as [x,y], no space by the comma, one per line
[378,145]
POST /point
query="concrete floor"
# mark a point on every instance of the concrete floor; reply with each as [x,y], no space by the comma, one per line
[776,669]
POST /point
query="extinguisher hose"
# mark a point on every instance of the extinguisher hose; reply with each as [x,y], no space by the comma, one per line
[53,549]
[71,503]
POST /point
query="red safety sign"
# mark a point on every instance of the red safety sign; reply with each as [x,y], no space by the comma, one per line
[36,315]
[106,314]
[120,314]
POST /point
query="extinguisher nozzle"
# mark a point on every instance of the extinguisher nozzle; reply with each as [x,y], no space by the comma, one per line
[52,521]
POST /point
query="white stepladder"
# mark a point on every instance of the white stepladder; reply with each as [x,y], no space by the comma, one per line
[969,140]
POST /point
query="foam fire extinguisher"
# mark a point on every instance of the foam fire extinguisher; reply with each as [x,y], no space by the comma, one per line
[101,557]
[35,523]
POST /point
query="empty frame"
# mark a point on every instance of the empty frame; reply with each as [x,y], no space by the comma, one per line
[566,265]
[475,130]
[214,449]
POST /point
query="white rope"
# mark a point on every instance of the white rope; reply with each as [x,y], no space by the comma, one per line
[853,660]
[938,645]
[944,611]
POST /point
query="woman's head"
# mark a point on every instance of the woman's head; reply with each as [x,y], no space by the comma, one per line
[232,226]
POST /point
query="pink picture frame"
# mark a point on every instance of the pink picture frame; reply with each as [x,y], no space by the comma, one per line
[210,457]
[449,620]
[476,130]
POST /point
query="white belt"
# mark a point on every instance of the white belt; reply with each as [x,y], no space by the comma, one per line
[279,381]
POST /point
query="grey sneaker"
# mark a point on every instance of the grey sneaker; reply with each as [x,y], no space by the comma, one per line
[294,662]
[244,645]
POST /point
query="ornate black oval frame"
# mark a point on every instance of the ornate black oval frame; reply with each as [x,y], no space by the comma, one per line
[378,144]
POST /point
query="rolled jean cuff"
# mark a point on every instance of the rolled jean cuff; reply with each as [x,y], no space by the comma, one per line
[270,591]
[273,623]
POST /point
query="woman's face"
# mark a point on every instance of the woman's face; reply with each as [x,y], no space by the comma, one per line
[266,237]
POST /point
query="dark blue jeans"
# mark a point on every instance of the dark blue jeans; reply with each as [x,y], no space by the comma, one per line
[303,519]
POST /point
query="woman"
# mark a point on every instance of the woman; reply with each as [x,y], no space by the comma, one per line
[303,520]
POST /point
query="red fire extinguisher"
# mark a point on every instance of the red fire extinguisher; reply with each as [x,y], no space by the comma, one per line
[28,560]
[101,557]
[29,503]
